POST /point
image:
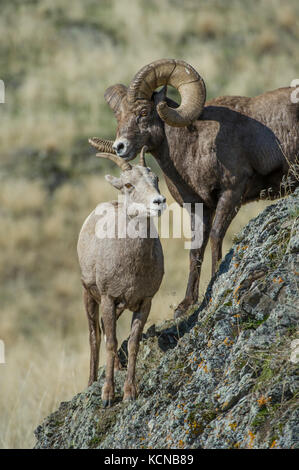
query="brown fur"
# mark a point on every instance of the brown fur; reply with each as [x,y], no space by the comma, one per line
[236,148]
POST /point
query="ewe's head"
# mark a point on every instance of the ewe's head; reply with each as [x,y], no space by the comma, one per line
[137,183]
[141,112]
[140,188]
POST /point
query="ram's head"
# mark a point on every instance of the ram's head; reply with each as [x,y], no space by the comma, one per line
[141,112]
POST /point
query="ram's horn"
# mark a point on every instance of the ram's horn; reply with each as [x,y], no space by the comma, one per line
[102,145]
[181,76]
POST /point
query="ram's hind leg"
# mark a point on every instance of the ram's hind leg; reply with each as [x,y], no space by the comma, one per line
[92,311]
[137,325]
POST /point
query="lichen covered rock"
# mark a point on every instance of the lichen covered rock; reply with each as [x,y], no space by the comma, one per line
[224,377]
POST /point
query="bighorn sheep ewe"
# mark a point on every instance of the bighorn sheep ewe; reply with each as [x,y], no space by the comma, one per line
[222,153]
[120,272]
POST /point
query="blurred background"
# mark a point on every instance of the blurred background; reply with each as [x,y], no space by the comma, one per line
[56,59]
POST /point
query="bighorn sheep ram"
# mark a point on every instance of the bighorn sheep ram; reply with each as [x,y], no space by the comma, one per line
[118,271]
[222,153]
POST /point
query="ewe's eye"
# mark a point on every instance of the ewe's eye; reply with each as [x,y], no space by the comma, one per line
[128,185]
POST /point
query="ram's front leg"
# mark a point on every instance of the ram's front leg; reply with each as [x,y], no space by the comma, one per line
[196,259]
[109,321]
[138,322]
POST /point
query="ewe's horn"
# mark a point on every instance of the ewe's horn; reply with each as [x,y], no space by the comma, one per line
[142,156]
[105,147]
[180,75]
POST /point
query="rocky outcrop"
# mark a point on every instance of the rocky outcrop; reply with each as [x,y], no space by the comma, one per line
[226,376]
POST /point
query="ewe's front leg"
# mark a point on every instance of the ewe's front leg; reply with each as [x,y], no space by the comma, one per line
[92,311]
[138,322]
[109,321]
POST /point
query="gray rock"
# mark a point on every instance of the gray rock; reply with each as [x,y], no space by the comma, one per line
[220,378]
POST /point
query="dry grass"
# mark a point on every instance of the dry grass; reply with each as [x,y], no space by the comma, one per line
[56,62]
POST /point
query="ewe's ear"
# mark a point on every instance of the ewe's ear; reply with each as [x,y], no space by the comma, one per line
[160,96]
[116,182]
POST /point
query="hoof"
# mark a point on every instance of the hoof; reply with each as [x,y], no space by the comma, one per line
[183,310]
[130,398]
[130,392]
[107,403]
[107,394]
[178,313]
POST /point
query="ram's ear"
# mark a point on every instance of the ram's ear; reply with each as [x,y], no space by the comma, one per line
[116,182]
[114,94]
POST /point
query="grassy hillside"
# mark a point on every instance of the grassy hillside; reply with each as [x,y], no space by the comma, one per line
[56,59]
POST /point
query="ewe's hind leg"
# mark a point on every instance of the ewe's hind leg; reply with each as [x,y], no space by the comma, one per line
[138,322]
[109,321]
[92,311]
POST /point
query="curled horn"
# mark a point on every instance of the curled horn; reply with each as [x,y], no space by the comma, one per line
[105,147]
[180,75]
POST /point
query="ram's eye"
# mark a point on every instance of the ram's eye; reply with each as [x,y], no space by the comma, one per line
[128,185]
[144,112]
